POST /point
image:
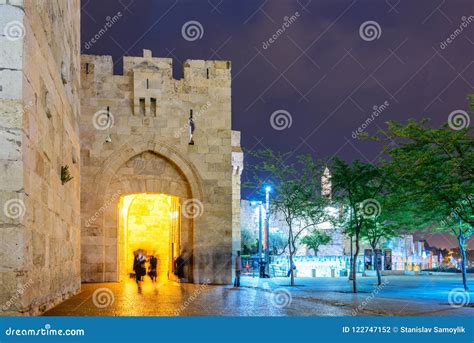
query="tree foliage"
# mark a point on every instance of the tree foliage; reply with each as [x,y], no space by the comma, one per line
[315,239]
[433,171]
[295,195]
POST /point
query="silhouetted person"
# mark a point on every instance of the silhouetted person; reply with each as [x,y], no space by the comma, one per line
[263,266]
[152,268]
[238,269]
[179,266]
[139,267]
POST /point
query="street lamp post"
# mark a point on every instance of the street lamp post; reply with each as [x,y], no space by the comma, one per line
[260,229]
[260,226]
[267,229]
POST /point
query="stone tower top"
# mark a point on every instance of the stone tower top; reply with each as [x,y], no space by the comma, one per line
[212,70]
[326,185]
[152,79]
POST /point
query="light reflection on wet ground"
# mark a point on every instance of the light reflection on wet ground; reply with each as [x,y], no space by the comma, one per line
[311,297]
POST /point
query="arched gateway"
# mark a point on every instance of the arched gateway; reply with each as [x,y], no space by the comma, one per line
[143,185]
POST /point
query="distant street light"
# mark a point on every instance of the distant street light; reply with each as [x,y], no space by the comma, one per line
[268,189]
[260,224]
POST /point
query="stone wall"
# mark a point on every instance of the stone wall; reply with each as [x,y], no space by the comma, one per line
[39,109]
[237,168]
[146,110]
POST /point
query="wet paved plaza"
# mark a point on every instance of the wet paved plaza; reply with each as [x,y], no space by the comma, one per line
[399,295]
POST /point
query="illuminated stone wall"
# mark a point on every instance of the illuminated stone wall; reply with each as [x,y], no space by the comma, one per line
[134,138]
[39,109]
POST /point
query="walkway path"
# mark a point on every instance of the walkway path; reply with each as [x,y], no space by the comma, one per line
[400,295]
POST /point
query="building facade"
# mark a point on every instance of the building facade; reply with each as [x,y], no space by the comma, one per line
[333,259]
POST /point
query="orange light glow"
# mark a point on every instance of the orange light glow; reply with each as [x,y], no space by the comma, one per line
[149,222]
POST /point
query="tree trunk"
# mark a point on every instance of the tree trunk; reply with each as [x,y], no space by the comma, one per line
[292,280]
[354,263]
[291,246]
[462,248]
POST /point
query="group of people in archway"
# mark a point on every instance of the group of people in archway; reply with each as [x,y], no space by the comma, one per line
[140,262]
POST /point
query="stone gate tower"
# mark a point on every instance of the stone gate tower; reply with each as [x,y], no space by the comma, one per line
[134,131]
[66,170]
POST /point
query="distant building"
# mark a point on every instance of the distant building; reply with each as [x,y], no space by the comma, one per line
[398,254]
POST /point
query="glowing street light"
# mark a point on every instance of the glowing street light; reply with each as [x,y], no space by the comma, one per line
[268,189]
[260,222]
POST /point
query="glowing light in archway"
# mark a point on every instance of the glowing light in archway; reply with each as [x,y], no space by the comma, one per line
[150,222]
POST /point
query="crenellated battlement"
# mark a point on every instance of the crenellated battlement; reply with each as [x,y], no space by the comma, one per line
[216,72]
[149,80]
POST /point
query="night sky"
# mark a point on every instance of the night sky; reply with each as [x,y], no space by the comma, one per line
[321,73]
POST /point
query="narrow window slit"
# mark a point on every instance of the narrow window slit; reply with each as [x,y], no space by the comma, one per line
[153,106]
[142,106]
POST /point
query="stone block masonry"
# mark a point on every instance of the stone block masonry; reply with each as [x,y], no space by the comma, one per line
[117,135]
[135,139]
[39,133]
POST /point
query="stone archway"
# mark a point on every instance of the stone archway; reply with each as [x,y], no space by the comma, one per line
[136,167]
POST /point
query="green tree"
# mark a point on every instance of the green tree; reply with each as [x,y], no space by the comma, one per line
[278,242]
[295,195]
[434,169]
[375,230]
[315,239]
[248,240]
[354,188]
